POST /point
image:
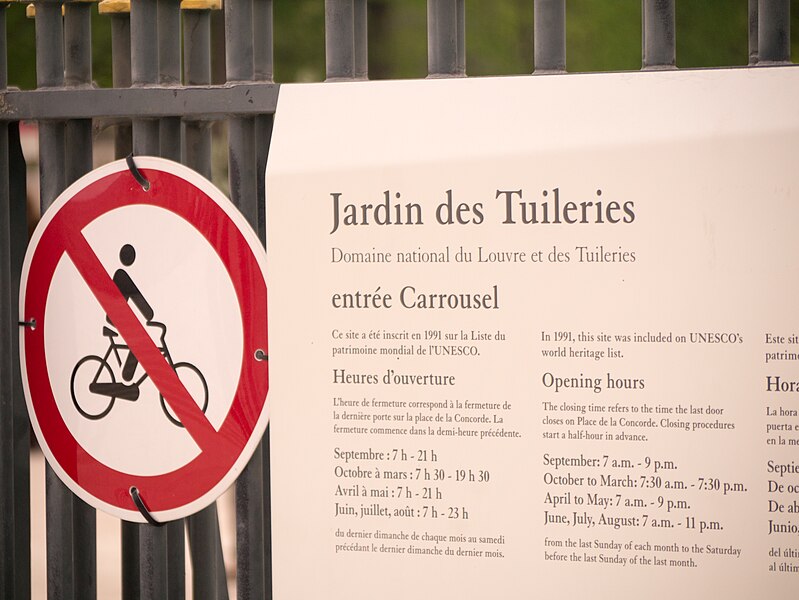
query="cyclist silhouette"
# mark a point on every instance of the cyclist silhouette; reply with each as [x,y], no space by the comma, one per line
[129,290]
[94,387]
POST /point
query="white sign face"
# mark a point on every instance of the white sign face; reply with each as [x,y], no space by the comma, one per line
[536,337]
[148,305]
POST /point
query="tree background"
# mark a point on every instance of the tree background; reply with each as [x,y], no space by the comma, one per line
[601,35]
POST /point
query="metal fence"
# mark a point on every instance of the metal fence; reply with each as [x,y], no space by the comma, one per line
[163,103]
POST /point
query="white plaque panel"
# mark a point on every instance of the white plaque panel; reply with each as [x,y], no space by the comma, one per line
[536,337]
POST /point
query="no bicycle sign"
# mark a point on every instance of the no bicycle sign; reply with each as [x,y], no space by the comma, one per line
[144,355]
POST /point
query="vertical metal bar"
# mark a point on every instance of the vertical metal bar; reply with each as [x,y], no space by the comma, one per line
[752,32]
[123,145]
[131,569]
[84,528]
[78,73]
[50,73]
[77,44]
[169,42]
[774,31]
[15,573]
[346,41]
[243,192]
[659,41]
[197,46]
[153,560]
[176,556]
[144,42]
[8,539]
[14,425]
[169,74]
[340,39]
[17,187]
[49,52]
[250,581]
[51,161]
[197,71]
[263,45]
[267,504]
[59,524]
[238,40]
[446,38]
[7,528]
[263,71]
[119,13]
[550,36]
[208,566]
[239,63]
[144,69]
[153,557]
[360,41]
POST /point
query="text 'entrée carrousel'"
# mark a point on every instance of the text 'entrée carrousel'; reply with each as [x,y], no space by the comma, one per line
[410,297]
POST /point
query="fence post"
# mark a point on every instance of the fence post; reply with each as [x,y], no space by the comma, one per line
[774,32]
[208,566]
[50,73]
[78,135]
[446,38]
[346,44]
[659,45]
[119,13]
[144,69]
[168,12]
[752,32]
[263,70]
[250,560]
[15,534]
[169,74]
[153,556]
[197,71]
[8,538]
[549,37]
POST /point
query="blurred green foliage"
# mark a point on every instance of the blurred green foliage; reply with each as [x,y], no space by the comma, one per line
[602,35]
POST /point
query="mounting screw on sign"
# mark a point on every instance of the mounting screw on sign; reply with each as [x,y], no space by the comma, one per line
[143,339]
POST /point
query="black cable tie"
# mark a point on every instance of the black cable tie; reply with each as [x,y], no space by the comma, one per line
[30,323]
[134,170]
[261,355]
[137,500]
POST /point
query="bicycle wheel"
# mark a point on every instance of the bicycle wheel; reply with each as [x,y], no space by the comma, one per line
[91,369]
[194,381]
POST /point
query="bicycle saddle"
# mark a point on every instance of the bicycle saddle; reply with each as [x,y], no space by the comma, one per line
[108,332]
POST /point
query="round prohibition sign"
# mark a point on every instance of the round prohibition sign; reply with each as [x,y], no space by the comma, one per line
[221,446]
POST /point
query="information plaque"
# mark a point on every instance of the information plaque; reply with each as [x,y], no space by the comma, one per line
[536,337]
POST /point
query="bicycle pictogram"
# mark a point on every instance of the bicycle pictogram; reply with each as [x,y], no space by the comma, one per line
[94,386]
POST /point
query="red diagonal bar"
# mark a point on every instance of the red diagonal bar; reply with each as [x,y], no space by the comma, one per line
[139,342]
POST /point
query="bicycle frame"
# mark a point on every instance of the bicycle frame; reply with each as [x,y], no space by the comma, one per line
[115,348]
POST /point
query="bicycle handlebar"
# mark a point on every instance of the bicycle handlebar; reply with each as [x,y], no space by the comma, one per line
[160,326]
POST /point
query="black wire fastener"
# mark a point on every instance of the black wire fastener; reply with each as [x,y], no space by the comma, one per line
[29,323]
[261,355]
[134,170]
[137,500]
